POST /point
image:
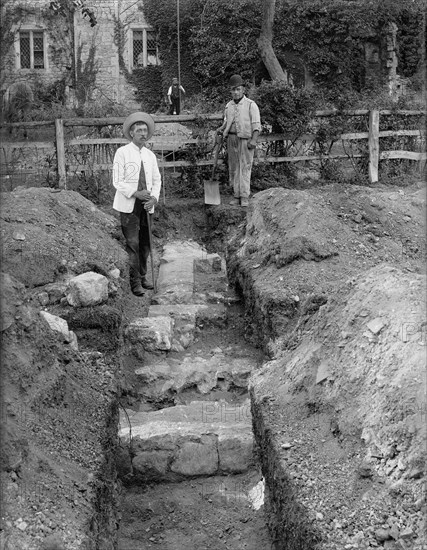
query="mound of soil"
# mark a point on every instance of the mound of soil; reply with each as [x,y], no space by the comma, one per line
[59,427]
[46,234]
[332,285]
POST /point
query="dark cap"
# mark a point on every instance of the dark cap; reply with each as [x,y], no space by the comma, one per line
[235,80]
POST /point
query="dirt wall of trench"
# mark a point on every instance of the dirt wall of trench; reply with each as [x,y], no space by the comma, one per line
[333,291]
[59,404]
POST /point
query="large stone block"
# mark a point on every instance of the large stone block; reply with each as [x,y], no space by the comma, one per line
[87,289]
[151,463]
[197,458]
[152,333]
[235,451]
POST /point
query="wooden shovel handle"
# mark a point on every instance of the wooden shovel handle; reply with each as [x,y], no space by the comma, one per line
[217,147]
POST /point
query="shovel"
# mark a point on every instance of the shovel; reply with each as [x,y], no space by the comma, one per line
[212,186]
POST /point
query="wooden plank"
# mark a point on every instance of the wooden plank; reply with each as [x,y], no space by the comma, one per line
[391,133]
[28,124]
[178,163]
[60,153]
[82,167]
[182,163]
[162,164]
[28,145]
[307,137]
[354,135]
[264,138]
[308,157]
[98,141]
[404,112]
[331,112]
[374,145]
[403,155]
[115,121]
[157,142]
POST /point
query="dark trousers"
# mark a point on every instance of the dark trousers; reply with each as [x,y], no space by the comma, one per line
[175,105]
[135,231]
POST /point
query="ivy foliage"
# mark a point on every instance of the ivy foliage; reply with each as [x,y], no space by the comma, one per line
[285,109]
[163,17]
[225,42]
[148,84]
[219,38]
[330,35]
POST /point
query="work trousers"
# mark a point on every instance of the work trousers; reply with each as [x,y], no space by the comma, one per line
[175,105]
[135,231]
[240,160]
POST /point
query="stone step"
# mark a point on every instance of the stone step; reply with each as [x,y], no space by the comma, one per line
[185,319]
[171,327]
[164,377]
[152,334]
[200,314]
[202,438]
[175,282]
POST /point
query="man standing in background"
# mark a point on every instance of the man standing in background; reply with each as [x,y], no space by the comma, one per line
[242,124]
[174,97]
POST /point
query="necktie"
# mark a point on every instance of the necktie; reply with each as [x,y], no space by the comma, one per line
[142,184]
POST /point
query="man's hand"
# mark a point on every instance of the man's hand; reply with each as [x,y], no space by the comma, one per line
[251,144]
[143,195]
[152,201]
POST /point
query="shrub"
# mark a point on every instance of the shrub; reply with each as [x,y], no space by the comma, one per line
[285,109]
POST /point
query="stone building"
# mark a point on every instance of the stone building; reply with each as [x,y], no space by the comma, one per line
[51,43]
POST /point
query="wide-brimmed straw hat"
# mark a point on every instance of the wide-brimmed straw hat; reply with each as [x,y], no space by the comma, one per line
[138,117]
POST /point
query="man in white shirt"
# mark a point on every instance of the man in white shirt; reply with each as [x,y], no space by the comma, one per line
[174,97]
[137,180]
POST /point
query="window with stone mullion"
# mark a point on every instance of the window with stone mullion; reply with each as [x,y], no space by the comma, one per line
[138,48]
[38,50]
[25,47]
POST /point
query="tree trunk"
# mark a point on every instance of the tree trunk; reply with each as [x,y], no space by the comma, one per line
[265,43]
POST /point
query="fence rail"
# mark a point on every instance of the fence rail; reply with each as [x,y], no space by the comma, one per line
[101,149]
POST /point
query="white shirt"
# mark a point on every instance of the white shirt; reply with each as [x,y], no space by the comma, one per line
[170,90]
[126,167]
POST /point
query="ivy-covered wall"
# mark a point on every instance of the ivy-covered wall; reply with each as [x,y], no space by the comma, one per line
[321,42]
[58,57]
[84,58]
[329,42]
[336,37]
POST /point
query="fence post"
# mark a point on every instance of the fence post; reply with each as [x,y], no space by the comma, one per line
[374,145]
[60,152]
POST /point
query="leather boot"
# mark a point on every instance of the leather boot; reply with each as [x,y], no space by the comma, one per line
[136,288]
[145,284]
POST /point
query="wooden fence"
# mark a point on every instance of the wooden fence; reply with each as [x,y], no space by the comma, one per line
[101,149]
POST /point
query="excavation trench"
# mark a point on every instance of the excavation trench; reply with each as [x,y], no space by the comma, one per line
[188,459]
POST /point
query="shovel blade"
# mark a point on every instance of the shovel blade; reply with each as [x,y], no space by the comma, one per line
[212,192]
